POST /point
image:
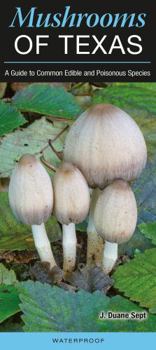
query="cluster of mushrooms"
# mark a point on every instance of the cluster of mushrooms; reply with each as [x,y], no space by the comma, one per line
[104,150]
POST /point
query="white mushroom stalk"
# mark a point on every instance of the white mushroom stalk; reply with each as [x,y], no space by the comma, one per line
[42,244]
[115,218]
[71,206]
[31,200]
[94,241]
[69,243]
[110,256]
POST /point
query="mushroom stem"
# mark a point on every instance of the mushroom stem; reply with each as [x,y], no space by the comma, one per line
[69,247]
[94,241]
[94,245]
[42,244]
[110,255]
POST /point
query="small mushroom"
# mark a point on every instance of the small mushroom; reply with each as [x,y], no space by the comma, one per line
[115,218]
[71,206]
[31,200]
[105,143]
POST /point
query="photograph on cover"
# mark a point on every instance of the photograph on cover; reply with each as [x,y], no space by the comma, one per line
[77,207]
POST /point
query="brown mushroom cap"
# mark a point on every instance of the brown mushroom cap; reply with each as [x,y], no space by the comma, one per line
[30,191]
[105,143]
[115,215]
[71,195]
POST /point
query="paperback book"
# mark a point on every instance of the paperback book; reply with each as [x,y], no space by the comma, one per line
[77,174]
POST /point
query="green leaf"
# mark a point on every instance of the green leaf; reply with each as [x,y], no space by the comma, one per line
[129,96]
[10,118]
[145,192]
[16,236]
[149,86]
[9,302]
[62,311]
[48,100]
[137,279]
[33,139]
[7,276]
[149,230]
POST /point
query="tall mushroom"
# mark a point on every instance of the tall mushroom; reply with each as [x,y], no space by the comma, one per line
[105,143]
[31,200]
[115,218]
[71,206]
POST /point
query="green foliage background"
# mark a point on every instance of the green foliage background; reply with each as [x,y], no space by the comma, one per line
[54,109]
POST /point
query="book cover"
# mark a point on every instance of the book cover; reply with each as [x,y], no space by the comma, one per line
[77,174]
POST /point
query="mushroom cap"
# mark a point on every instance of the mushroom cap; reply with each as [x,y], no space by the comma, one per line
[30,191]
[71,195]
[105,143]
[115,214]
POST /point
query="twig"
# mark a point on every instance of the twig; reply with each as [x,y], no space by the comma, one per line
[67,286]
[59,154]
[60,133]
[53,118]
[50,166]
[53,140]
